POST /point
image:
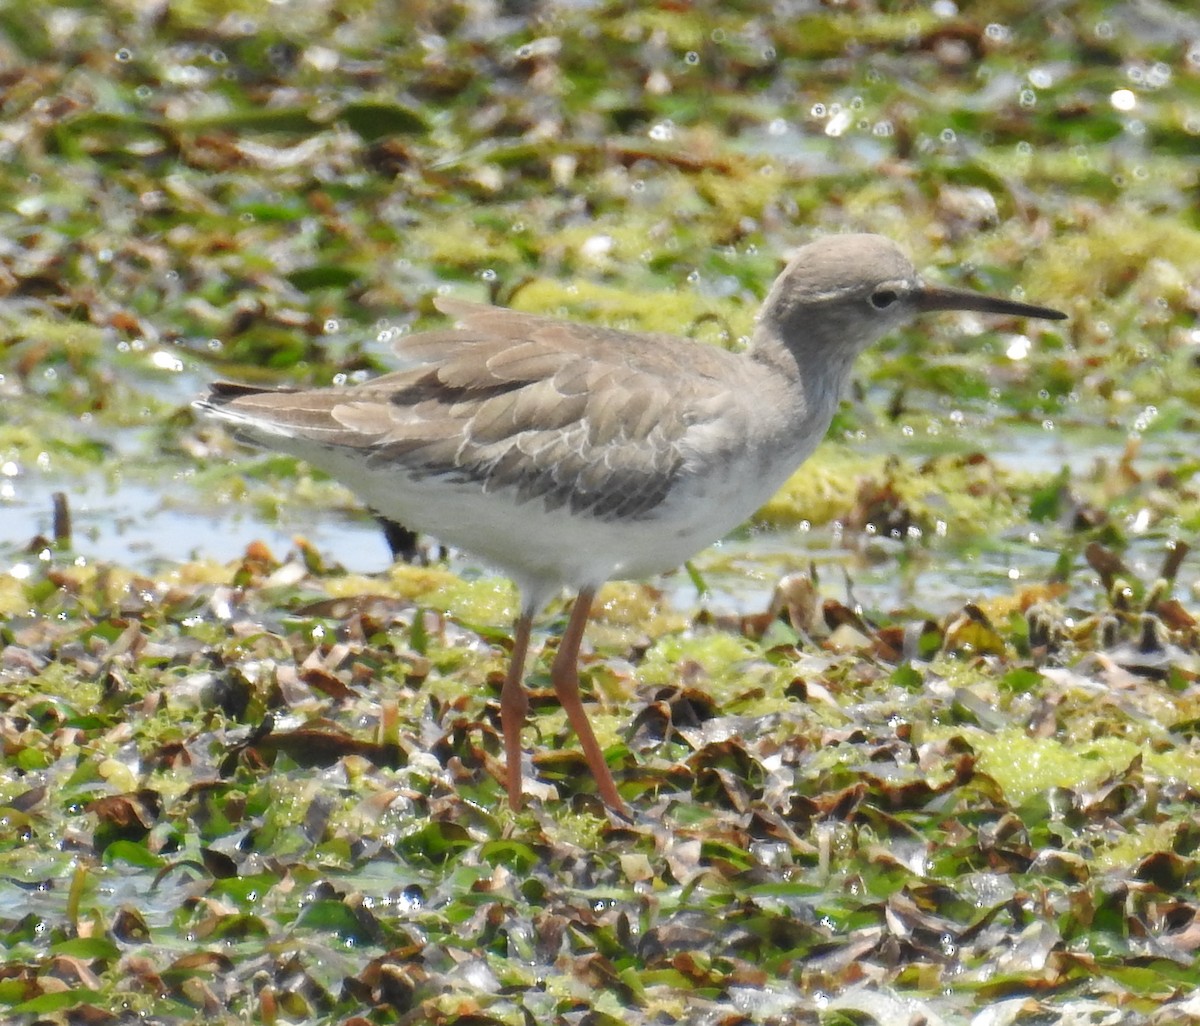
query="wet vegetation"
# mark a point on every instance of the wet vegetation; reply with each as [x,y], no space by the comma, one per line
[923,746]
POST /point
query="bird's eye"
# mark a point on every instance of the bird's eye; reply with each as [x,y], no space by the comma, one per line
[881,299]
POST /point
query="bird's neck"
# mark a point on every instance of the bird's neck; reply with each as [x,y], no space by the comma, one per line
[813,365]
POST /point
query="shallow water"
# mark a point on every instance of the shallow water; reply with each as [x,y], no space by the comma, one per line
[150,528]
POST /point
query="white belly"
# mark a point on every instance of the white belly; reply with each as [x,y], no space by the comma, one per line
[545,550]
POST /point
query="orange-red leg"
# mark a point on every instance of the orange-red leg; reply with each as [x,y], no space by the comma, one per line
[564,673]
[514,707]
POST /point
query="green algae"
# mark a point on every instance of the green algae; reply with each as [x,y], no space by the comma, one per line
[816,802]
[1024,766]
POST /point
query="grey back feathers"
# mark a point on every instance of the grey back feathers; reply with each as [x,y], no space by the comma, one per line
[588,418]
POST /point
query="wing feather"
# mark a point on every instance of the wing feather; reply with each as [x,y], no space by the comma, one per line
[565,414]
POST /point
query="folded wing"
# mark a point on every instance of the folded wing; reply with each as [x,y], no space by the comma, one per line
[587,418]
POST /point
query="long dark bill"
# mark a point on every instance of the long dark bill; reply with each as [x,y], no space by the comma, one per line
[935,298]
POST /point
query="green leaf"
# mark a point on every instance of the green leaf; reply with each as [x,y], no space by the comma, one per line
[1021,681]
[57,1000]
[322,276]
[908,678]
[330,916]
[696,578]
[1047,502]
[515,855]
[418,633]
[435,842]
[87,947]
[374,119]
[132,853]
